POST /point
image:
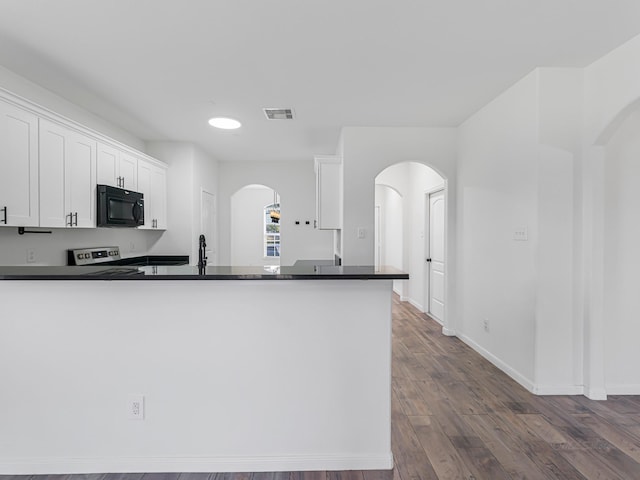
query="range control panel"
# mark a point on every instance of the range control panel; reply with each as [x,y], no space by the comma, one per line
[92,256]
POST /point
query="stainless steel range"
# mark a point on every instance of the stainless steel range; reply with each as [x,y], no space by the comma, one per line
[93,256]
[111,256]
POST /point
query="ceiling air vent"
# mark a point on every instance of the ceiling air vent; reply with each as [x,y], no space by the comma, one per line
[278,113]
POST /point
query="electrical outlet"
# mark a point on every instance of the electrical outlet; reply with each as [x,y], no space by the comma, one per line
[362,232]
[31,255]
[485,324]
[135,407]
[521,234]
[132,246]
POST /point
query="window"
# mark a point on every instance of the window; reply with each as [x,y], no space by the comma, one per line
[272,231]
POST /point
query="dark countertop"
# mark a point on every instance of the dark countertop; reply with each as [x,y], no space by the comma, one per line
[186,272]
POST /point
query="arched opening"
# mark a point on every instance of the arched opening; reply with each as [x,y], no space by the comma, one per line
[411,232]
[255,226]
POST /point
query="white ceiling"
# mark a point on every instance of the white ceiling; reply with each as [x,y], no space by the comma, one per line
[161,68]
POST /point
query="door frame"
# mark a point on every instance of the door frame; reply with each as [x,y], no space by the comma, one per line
[426,272]
[210,241]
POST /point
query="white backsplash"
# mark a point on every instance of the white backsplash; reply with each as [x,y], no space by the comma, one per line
[51,249]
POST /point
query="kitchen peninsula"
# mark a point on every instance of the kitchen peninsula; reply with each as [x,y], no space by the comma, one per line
[233,368]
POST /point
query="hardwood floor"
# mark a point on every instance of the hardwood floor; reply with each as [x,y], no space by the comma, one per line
[455,416]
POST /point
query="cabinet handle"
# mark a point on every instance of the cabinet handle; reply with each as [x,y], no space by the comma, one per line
[5,215]
[76,218]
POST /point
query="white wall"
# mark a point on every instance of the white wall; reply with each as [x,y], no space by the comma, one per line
[622,258]
[295,184]
[611,96]
[391,234]
[497,193]
[517,164]
[52,249]
[190,170]
[45,98]
[247,226]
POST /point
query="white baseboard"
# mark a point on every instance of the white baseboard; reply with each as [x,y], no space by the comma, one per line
[524,381]
[403,298]
[558,390]
[517,376]
[61,465]
[416,304]
[623,389]
[448,332]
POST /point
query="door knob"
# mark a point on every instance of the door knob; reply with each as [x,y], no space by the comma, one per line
[428,260]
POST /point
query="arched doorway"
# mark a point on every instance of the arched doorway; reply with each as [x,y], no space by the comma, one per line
[409,198]
[255,226]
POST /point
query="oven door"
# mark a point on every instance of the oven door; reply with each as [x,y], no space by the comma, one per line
[119,208]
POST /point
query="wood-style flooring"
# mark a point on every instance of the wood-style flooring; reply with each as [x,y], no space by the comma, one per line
[455,416]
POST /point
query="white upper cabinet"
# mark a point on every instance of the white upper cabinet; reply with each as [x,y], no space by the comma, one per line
[116,168]
[18,167]
[50,166]
[128,172]
[68,177]
[152,182]
[328,192]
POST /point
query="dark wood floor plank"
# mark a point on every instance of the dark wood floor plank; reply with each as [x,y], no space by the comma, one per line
[348,475]
[308,476]
[626,442]
[546,431]
[515,462]
[197,476]
[233,476]
[379,475]
[409,397]
[121,476]
[442,454]
[160,476]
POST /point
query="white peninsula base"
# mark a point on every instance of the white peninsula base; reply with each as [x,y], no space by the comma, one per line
[237,375]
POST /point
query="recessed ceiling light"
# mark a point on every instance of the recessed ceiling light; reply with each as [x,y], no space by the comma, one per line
[224,123]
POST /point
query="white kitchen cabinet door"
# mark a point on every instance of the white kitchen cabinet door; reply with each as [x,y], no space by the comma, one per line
[18,167]
[159,190]
[80,180]
[128,172]
[152,182]
[68,177]
[116,168]
[107,168]
[328,192]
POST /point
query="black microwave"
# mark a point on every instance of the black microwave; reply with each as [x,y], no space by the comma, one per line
[118,207]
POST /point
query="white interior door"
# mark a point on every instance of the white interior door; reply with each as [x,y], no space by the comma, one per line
[208,221]
[377,242]
[435,259]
